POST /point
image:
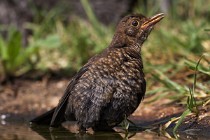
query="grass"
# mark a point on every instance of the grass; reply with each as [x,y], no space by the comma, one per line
[192,106]
[192,103]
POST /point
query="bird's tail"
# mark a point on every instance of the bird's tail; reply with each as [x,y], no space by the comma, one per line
[44,119]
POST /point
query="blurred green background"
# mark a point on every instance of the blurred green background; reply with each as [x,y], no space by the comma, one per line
[58,37]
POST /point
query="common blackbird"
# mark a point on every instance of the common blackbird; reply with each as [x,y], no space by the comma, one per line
[111,84]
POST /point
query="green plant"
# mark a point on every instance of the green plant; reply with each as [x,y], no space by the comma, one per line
[45,19]
[46,51]
[101,35]
[169,87]
[192,105]
[14,58]
[188,38]
[82,39]
[203,69]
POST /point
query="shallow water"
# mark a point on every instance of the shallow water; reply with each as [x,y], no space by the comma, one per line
[23,131]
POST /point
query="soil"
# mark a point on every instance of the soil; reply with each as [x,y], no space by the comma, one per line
[25,98]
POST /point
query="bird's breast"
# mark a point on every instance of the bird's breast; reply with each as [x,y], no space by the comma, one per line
[123,71]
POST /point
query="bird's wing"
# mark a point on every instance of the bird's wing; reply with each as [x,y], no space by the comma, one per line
[92,99]
[58,115]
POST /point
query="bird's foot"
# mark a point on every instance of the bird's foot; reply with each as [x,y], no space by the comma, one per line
[83,130]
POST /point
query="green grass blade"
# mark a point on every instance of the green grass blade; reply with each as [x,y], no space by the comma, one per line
[195,74]
[192,65]
[168,83]
[3,49]
[184,114]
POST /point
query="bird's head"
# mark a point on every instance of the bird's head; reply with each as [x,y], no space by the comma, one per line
[134,29]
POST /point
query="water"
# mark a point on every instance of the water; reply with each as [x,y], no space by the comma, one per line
[20,129]
[23,131]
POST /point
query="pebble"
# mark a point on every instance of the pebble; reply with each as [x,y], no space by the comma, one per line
[3,117]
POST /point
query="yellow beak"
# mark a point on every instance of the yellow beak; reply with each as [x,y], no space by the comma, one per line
[152,21]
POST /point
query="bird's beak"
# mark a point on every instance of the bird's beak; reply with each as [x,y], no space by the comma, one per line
[152,21]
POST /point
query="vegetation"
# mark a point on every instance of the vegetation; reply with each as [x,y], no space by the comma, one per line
[179,40]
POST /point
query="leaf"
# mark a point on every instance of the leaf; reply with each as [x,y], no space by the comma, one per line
[3,50]
[14,48]
[51,41]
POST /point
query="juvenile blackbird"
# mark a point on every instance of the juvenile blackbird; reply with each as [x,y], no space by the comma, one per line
[110,85]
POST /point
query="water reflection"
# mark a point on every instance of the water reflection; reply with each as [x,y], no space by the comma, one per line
[64,134]
[17,128]
[23,131]
[17,131]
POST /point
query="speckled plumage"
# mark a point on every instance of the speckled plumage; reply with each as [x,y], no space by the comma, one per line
[110,85]
[111,88]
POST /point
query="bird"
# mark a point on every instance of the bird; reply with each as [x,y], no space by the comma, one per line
[111,85]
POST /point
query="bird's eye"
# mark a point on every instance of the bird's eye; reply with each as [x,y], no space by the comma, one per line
[135,23]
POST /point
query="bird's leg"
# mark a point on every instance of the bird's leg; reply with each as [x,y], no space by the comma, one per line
[90,131]
[137,127]
[125,124]
[83,130]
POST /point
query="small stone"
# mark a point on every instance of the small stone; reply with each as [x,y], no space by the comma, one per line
[3,117]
